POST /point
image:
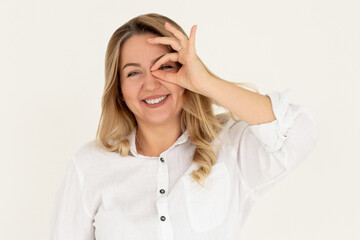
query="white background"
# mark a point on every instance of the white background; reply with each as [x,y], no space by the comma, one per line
[52,77]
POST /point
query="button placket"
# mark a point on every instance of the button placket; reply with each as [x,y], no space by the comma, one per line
[161,200]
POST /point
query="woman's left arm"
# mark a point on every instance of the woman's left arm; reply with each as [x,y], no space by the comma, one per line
[251,107]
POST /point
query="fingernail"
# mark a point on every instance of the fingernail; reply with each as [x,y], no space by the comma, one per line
[150,39]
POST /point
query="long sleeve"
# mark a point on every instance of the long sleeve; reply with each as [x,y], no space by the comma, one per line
[70,219]
[267,152]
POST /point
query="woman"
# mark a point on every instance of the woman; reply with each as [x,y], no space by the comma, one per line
[163,166]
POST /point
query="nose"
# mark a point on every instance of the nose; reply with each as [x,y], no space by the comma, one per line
[151,82]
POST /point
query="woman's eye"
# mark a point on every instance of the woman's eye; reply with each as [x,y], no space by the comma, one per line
[132,74]
[165,66]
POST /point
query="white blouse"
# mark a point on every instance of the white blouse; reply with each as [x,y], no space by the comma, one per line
[105,196]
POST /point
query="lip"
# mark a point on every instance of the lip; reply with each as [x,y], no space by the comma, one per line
[155,97]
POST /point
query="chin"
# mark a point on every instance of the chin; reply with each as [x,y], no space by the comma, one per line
[161,118]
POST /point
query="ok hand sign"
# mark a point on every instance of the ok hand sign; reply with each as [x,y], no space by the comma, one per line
[192,73]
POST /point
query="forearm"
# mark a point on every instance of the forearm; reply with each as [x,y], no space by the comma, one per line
[251,107]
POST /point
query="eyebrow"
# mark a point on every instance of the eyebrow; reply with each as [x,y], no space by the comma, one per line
[138,65]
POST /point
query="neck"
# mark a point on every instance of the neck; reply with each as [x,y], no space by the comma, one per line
[152,141]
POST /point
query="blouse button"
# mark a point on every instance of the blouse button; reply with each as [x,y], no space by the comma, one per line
[162,159]
[162,191]
[163,218]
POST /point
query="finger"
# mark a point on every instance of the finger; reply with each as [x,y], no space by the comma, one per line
[165,40]
[166,76]
[192,38]
[173,57]
[178,34]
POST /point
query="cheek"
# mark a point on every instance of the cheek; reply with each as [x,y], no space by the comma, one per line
[128,90]
[179,91]
[181,94]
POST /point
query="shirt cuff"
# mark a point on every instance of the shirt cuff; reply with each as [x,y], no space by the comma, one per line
[273,134]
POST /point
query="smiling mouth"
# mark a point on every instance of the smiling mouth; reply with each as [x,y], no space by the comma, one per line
[156,100]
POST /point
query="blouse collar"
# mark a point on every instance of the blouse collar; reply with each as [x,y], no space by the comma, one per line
[182,139]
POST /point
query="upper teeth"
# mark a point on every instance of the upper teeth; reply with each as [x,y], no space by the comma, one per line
[157,100]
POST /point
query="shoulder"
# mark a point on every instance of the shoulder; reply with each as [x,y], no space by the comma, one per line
[90,156]
[89,150]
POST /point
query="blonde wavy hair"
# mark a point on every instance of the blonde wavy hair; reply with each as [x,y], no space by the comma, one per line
[117,121]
